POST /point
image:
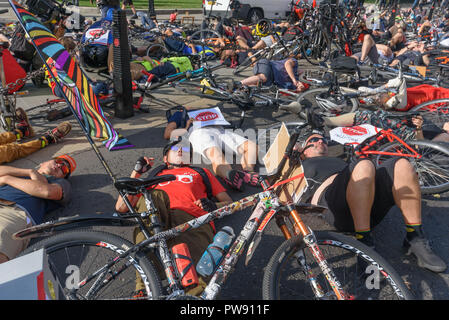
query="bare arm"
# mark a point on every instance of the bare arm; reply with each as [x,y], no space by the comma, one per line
[12,171]
[35,188]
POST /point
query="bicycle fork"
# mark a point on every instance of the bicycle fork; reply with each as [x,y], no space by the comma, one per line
[310,241]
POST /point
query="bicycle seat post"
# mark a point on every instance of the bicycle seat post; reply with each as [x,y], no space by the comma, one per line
[155,223]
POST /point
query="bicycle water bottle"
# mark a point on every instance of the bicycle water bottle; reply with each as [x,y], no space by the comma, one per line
[211,258]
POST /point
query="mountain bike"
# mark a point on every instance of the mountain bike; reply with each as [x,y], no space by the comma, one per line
[108,265]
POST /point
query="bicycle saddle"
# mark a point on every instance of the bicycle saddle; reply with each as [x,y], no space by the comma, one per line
[133,185]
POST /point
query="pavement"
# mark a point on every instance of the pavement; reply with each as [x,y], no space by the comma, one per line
[93,192]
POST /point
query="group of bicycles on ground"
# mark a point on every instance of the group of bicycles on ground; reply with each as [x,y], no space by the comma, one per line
[373,78]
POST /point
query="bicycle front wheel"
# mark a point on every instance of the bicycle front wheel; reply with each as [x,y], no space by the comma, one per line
[432,166]
[363,273]
[75,256]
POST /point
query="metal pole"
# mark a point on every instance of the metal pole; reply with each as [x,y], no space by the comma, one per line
[151,11]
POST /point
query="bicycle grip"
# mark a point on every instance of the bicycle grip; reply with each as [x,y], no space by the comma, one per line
[150,75]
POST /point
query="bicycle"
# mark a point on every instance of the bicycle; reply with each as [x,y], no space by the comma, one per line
[130,259]
[430,159]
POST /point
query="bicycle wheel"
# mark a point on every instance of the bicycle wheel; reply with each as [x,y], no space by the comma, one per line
[362,272]
[317,48]
[328,104]
[436,111]
[432,167]
[157,51]
[85,251]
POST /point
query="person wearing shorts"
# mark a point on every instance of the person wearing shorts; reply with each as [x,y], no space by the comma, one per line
[283,73]
[26,195]
[359,195]
[210,141]
[372,52]
[131,5]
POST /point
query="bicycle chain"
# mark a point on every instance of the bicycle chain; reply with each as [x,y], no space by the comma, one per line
[19,82]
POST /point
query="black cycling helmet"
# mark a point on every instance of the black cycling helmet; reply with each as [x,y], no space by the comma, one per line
[95,56]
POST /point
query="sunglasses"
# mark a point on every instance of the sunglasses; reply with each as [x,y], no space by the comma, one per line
[65,168]
[184,149]
[316,139]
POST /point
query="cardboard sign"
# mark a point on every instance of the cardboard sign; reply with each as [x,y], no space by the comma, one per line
[293,190]
[353,135]
[208,117]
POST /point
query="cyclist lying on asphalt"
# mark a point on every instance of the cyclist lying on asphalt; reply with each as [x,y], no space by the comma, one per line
[359,196]
[180,200]
[208,139]
[26,195]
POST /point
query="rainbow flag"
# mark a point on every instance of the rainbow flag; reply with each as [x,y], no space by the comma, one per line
[72,79]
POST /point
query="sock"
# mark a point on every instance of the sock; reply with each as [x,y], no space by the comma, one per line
[44,142]
[19,133]
[414,230]
[365,237]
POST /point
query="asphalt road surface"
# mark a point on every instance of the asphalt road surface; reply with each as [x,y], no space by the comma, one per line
[93,192]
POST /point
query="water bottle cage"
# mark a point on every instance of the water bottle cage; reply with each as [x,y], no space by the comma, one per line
[212,257]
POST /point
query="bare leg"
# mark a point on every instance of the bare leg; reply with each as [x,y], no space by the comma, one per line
[248,150]
[344,120]
[254,80]
[406,191]
[360,194]
[219,163]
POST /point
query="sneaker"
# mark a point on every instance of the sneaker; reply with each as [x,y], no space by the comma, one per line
[420,247]
[236,180]
[58,133]
[23,124]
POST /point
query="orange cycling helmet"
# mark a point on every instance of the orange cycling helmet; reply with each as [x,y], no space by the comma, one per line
[71,163]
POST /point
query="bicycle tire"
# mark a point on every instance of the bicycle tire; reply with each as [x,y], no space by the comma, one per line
[157,51]
[436,111]
[348,255]
[350,106]
[320,51]
[432,167]
[89,248]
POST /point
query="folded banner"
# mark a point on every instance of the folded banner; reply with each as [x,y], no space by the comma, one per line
[72,79]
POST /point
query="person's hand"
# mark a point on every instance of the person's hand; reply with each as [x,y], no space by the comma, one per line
[143,164]
[206,204]
[417,122]
[189,122]
[34,175]
[299,86]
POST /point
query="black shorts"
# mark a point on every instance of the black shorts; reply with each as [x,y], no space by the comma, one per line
[128,2]
[334,197]
[164,70]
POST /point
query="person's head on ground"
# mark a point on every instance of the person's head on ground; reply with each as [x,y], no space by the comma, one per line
[60,167]
[315,145]
[177,153]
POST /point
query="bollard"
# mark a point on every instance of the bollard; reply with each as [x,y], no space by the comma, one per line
[122,69]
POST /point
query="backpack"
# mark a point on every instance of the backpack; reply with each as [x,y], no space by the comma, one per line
[291,33]
[200,171]
[20,46]
[344,64]
[182,64]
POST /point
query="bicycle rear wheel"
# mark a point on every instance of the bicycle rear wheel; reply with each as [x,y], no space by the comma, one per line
[432,167]
[362,272]
[74,256]
[436,111]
